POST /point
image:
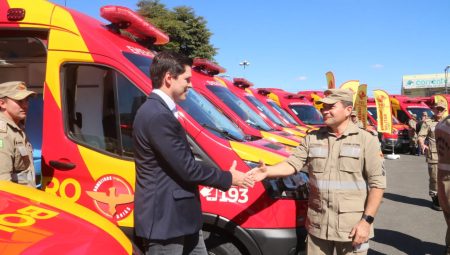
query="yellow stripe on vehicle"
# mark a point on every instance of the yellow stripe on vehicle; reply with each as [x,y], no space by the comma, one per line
[68,39]
[279,139]
[254,154]
[71,208]
[99,164]
[37,13]
[54,61]
[294,132]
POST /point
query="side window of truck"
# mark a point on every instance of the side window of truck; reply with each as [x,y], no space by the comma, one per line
[401,116]
[100,105]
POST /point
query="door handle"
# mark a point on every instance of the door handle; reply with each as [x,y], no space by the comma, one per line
[62,164]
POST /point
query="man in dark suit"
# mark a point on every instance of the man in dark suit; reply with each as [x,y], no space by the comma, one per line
[167,215]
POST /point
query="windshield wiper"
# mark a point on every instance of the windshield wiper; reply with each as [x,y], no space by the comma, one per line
[223,132]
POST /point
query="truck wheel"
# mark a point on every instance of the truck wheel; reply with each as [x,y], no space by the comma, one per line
[217,244]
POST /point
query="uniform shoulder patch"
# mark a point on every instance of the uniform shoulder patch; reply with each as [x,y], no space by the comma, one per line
[3,126]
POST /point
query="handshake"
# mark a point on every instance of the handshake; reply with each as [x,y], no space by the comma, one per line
[246,180]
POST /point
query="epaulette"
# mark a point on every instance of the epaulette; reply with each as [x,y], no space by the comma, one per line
[3,126]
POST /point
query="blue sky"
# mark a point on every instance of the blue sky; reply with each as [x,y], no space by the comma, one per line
[291,44]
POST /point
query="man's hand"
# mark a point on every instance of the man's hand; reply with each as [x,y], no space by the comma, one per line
[259,173]
[239,178]
[424,148]
[360,233]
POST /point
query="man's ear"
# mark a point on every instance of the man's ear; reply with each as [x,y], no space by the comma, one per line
[348,111]
[167,81]
[2,104]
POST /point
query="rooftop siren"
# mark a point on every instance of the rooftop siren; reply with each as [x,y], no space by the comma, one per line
[295,96]
[263,92]
[128,20]
[208,67]
[242,83]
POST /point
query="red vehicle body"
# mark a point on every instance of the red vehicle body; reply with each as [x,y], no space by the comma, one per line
[232,106]
[88,97]
[240,87]
[33,222]
[263,96]
[430,100]
[404,106]
[302,110]
[313,96]
[399,139]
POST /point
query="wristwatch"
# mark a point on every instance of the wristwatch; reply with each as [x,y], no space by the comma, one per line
[368,218]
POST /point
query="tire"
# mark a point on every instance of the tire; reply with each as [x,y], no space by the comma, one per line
[217,244]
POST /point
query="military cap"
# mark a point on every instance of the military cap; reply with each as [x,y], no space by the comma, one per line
[16,90]
[333,96]
[439,104]
[354,113]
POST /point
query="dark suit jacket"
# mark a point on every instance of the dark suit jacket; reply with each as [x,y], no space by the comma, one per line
[167,200]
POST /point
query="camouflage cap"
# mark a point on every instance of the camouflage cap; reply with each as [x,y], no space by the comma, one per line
[354,113]
[333,96]
[440,104]
[16,90]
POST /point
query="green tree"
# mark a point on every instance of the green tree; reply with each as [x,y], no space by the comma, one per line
[188,33]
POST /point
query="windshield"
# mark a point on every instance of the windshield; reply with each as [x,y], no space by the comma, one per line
[308,114]
[420,111]
[141,62]
[265,110]
[282,112]
[208,116]
[239,107]
[373,112]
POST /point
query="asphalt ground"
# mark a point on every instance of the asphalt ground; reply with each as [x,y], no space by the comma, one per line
[405,223]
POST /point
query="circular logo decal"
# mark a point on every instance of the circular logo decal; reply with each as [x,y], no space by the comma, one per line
[113,197]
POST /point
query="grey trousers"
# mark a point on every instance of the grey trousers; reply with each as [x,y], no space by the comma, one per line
[183,245]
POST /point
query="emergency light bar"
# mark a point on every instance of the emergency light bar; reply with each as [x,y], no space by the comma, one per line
[263,92]
[415,101]
[294,96]
[124,18]
[242,83]
[205,65]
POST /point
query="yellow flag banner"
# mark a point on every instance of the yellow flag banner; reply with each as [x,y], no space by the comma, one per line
[441,98]
[360,105]
[384,113]
[330,80]
[351,85]
[316,98]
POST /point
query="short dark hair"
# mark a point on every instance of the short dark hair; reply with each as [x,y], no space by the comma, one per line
[167,61]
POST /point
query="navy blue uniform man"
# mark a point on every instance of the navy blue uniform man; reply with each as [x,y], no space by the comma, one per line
[167,213]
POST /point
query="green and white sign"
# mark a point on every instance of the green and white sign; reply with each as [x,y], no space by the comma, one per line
[424,81]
